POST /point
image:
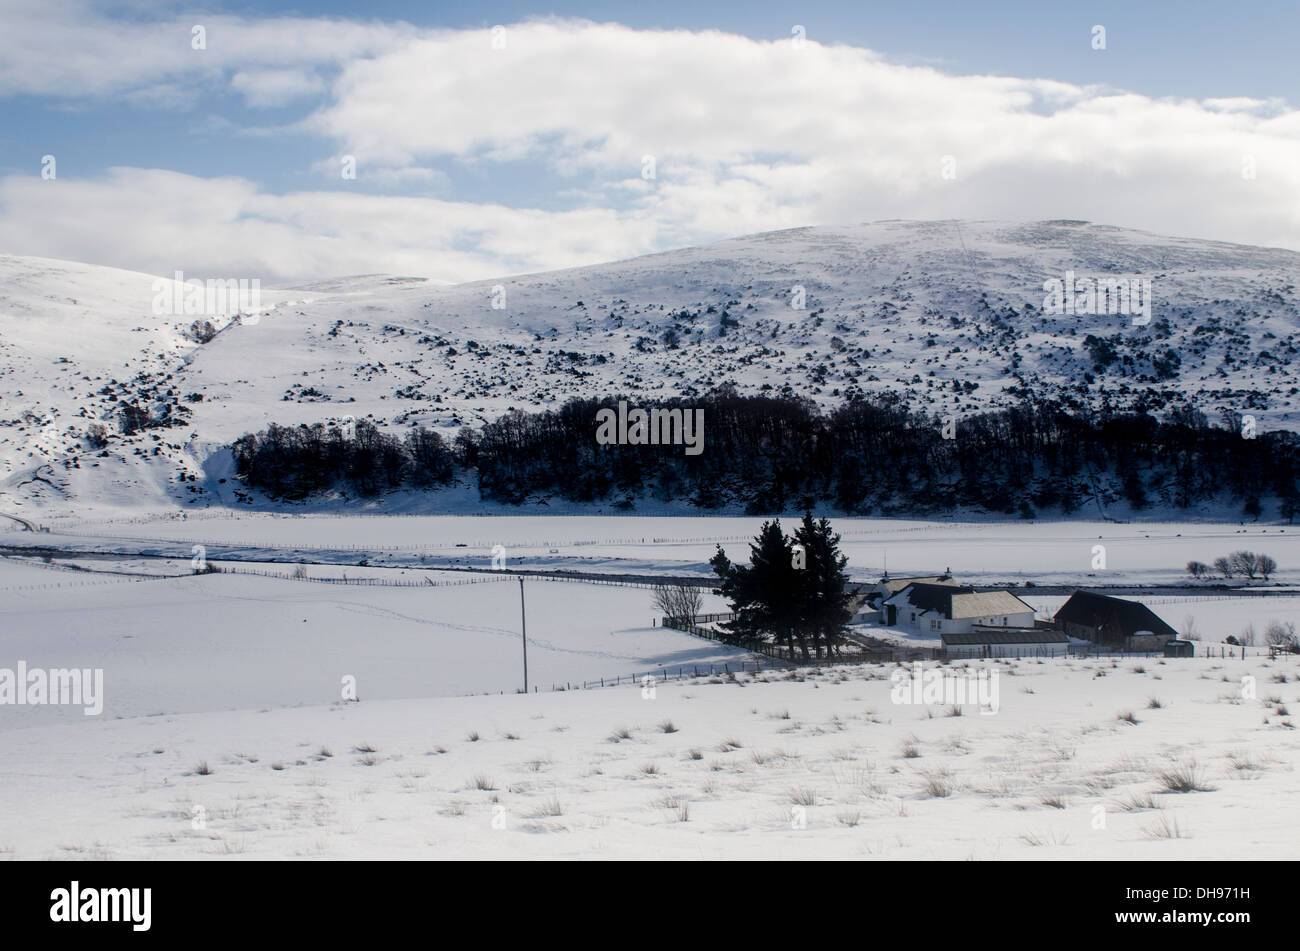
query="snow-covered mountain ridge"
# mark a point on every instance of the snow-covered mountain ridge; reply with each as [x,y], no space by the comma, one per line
[948,315]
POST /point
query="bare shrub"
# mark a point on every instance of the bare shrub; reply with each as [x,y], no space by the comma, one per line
[1165,827]
[678,602]
[800,796]
[547,808]
[1183,778]
[939,784]
[1136,802]
[1044,838]
[1281,634]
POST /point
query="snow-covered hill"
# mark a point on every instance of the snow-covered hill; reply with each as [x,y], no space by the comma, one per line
[948,314]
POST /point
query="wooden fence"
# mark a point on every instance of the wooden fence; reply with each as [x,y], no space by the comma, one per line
[666,674]
[788,656]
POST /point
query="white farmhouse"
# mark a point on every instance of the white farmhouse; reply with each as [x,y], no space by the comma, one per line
[952,609]
[874,595]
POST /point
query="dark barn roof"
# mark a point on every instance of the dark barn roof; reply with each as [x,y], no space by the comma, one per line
[1115,618]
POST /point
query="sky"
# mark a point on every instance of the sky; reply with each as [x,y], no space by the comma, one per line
[463,141]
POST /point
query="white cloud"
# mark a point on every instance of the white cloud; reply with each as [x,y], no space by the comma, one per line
[747,136]
[70,48]
[159,221]
[263,88]
[750,134]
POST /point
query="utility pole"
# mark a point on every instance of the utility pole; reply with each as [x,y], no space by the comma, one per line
[523,621]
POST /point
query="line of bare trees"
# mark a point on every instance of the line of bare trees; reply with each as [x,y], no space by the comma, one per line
[1240,564]
[1278,634]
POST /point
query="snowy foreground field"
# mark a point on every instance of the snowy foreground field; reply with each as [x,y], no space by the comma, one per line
[808,764]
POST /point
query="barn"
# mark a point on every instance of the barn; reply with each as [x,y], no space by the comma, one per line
[1113,622]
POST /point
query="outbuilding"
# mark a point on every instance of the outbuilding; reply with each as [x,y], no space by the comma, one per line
[1006,642]
[1113,622]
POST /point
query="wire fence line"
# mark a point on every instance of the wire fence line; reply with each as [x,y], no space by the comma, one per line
[1245,593]
[87,527]
[362,582]
[227,568]
[227,564]
[56,585]
[117,577]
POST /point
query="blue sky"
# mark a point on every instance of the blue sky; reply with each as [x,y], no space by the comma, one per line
[1193,48]
[474,161]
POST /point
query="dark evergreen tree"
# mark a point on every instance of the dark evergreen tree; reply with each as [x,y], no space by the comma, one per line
[821,588]
[763,594]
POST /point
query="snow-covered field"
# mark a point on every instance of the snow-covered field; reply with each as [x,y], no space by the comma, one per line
[246,674]
[978,552]
[780,765]
[238,642]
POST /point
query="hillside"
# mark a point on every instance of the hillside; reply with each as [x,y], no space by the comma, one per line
[947,315]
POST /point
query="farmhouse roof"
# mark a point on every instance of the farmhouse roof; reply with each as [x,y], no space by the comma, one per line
[894,585]
[955,601]
[1099,610]
[988,603]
